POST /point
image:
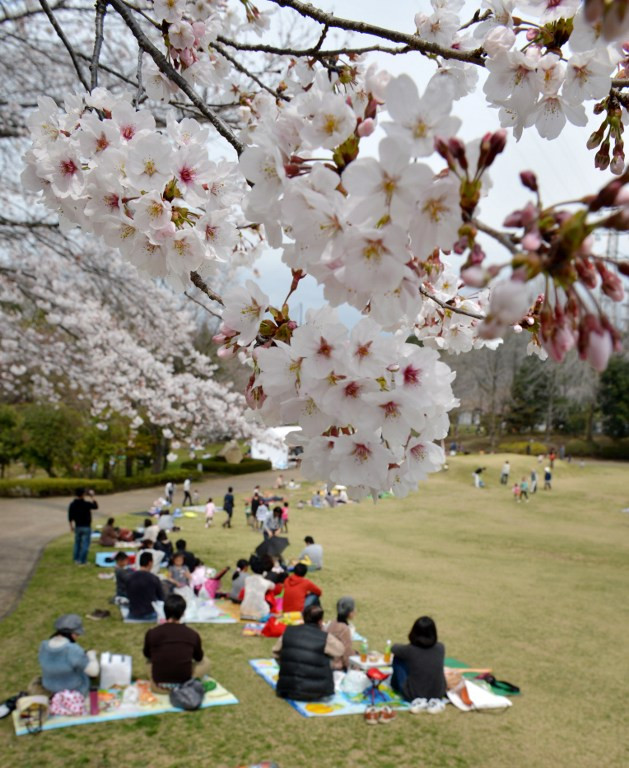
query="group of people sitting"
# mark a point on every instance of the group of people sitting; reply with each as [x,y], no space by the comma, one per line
[307,655]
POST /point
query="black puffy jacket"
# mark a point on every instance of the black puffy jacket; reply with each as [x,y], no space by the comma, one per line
[305,671]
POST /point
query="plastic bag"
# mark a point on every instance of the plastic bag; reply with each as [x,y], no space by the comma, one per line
[115,669]
[355,681]
[188,695]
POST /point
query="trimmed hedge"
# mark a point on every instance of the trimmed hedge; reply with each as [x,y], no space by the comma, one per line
[219,465]
[161,478]
[579,447]
[618,451]
[52,486]
[521,447]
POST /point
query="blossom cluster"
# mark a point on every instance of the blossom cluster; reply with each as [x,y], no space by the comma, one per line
[152,193]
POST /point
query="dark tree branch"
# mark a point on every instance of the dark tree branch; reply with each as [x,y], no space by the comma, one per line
[64,40]
[99,25]
[200,283]
[167,68]
[449,307]
[207,309]
[500,237]
[237,65]
[312,53]
[414,42]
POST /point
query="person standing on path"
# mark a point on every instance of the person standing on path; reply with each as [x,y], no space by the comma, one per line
[169,491]
[80,519]
[504,474]
[533,481]
[228,506]
[187,498]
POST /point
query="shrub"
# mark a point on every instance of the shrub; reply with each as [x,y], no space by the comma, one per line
[521,446]
[52,486]
[161,478]
[582,448]
[617,451]
[222,467]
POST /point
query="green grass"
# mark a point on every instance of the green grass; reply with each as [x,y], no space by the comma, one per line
[536,591]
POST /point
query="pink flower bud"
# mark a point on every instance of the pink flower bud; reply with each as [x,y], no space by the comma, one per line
[598,350]
[529,179]
[532,240]
[366,127]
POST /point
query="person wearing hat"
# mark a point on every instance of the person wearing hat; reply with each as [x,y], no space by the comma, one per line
[65,665]
[345,608]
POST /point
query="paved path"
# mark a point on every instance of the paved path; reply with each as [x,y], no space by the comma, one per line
[28,525]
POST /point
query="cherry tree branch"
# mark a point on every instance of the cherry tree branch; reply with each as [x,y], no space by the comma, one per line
[414,42]
[237,65]
[450,307]
[200,283]
[167,68]
[207,309]
[499,237]
[314,53]
[61,35]
[99,26]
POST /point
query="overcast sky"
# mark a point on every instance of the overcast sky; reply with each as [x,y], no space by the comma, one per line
[565,168]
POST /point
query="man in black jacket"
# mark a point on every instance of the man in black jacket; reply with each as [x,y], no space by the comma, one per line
[305,654]
[80,519]
[143,589]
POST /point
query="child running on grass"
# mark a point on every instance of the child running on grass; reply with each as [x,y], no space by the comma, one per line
[516,492]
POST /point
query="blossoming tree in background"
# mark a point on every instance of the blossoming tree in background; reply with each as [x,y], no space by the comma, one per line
[393,231]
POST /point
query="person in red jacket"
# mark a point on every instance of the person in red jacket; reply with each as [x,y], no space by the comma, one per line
[300,592]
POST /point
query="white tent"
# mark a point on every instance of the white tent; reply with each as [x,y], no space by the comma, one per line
[272,446]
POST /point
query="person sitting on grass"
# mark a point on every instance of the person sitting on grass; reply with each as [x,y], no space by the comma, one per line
[64,664]
[143,589]
[178,573]
[164,545]
[238,579]
[188,557]
[299,592]
[150,531]
[108,534]
[173,650]
[311,554]
[122,573]
[165,521]
[253,606]
[418,666]
[305,654]
[345,608]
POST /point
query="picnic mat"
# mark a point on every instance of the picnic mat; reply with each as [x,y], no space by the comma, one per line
[222,618]
[112,708]
[456,664]
[339,704]
[106,559]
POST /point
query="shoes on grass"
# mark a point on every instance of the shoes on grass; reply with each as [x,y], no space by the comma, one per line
[372,716]
[98,615]
[432,706]
[386,715]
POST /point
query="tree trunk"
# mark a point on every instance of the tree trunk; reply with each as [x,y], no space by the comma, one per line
[128,466]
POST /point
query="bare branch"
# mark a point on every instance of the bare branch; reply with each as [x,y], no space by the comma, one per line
[200,283]
[138,93]
[64,40]
[450,307]
[312,53]
[207,309]
[500,237]
[99,24]
[414,42]
[620,82]
[167,68]
[237,65]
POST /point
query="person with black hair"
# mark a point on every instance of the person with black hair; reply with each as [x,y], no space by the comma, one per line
[109,534]
[164,545]
[143,589]
[122,573]
[299,591]
[65,665]
[228,507]
[173,650]
[418,667]
[80,519]
[238,579]
[311,554]
[305,654]
[254,606]
[188,557]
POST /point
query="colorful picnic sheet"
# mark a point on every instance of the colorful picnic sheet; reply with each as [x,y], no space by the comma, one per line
[195,618]
[339,704]
[112,708]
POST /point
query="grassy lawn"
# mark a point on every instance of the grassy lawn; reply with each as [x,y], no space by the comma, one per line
[535,591]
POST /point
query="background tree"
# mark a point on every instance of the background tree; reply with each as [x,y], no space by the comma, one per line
[613,398]
[49,437]
[10,439]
